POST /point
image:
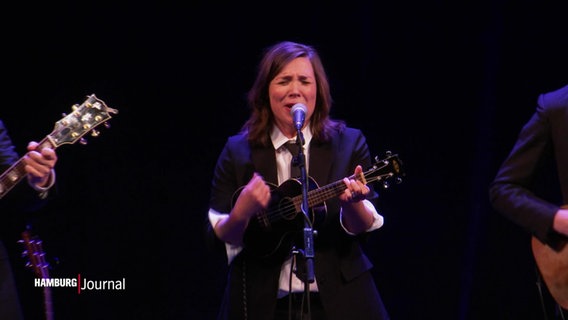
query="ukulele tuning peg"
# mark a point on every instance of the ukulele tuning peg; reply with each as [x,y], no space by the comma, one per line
[83,141]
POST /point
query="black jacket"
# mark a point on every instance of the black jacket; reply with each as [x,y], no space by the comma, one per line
[341,268]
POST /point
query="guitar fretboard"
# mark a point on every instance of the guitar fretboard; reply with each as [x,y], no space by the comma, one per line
[11,177]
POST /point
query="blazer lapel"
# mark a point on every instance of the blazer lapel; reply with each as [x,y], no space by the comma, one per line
[321,161]
[264,161]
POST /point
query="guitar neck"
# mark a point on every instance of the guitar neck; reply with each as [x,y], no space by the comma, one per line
[322,194]
[71,128]
[11,177]
[329,191]
[47,303]
[36,256]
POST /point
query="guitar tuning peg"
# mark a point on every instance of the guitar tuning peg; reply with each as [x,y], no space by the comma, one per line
[83,141]
[106,124]
[388,153]
[64,114]
[95,133]
[386,184]
[398,180]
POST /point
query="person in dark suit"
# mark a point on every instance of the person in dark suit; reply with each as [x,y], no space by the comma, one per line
[38,166]
[267,278]
[531,186]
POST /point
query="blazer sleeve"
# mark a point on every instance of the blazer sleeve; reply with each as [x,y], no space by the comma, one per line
[513,191]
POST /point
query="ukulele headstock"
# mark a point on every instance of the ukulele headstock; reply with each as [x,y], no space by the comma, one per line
[386,170]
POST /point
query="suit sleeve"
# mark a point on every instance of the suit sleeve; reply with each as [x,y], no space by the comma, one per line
[511,192]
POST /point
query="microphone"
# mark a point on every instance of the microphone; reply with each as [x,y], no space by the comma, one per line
[298,112]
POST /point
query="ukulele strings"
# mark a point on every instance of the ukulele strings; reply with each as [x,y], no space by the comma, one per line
[314,197]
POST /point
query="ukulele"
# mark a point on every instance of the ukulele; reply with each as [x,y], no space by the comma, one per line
[553,266]
[70,129]
[275,229]
[37,262]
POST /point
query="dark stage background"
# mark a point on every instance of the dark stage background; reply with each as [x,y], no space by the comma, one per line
[446,86]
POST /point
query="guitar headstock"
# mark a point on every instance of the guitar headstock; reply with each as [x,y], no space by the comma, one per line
[385,170]
[33,250]
[84,118]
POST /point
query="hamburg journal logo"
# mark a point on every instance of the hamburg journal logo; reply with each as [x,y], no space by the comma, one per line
[82,284]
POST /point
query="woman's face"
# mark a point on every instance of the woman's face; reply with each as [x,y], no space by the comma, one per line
[296,83]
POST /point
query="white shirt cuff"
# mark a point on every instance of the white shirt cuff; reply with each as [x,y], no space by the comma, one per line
[378,219]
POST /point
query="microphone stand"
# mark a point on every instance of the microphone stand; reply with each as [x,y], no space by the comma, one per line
[308,251]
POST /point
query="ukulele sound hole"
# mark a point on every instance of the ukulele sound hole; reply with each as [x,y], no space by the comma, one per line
[287,209]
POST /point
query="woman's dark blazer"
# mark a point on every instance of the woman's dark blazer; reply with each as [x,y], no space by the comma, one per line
[342,270]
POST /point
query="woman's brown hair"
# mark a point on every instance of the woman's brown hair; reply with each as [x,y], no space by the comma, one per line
[261,120]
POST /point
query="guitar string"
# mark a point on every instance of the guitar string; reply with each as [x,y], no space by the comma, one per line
[318,196]
[314,197]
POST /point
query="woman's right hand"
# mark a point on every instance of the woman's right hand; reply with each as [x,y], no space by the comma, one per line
[254,197]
